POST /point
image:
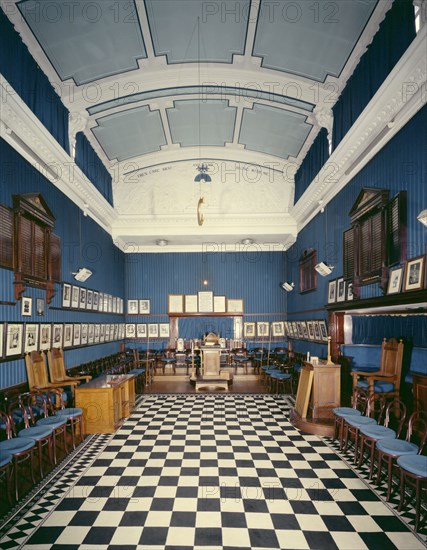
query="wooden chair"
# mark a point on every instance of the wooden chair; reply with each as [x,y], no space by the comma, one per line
[387,380]
[57,371]
[35,363]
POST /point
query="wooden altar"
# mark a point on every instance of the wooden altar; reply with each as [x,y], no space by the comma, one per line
[210,367]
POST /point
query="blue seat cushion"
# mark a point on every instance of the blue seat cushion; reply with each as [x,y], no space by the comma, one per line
[396,447]
[379,386]
[54,421]
[5,458]
[349,411]
[36,433]
[365,368]
[17,444]
[70,412]
[377,432]
[416,464]
[280,376]
[359,421]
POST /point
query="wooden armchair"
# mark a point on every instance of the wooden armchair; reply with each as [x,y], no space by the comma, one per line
[387,380]
[35,363]
[57,372]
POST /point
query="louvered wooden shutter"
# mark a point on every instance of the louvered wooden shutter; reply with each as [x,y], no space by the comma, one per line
[55,257]
[25,236]
[348,257]
[40,257]
[6,237]
[396,229]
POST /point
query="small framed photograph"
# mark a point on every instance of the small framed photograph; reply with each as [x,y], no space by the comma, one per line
[316,330]
[66,295]
[84,334]
[153,330]
[121,331]
[132,307]
[130,330]
[39,307]
[219,304]
[395,279]
[105,306]
[144,307]
[263,329]
[340,290]
[190,303]
[76,334]
[249,330]
[277,328]
[116,331]
[175,303]
[304,330]
[82,300]
[57,332]
[14,336]
[332,291]
[45,336]
[95,300]
[110,303]
[101,302]
[68,335]
[323,331]
[235,306]
[89,299]
[107,332]
[91,333]
[295,329]
[414,274]
[97,333]
[205,301]
[75,296]
[289,329]
[350,295]
[31,340]
[141,330]
[26,306]
[114,304]
[102,333]
[120,300]
[310,329]
[299,328]
[164,331]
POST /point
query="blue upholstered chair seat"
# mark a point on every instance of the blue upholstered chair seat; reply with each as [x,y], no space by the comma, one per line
[240,358]
[396,447]
[365,368]
[37,432]
[346,411]
[5,458]
[416,464]
[54,421]
[359,421]
[70,412]
[379,386]
[168,359]
[17,444]
[377,432]
[280,376]
[137,371]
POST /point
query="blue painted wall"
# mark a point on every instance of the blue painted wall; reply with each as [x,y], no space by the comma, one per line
[401,165]
[83,243]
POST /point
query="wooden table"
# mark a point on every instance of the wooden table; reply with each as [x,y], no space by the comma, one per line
[106,401]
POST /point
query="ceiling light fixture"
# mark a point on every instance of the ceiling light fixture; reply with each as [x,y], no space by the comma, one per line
[247,241]
[162,242]
[422,217]
[82,274]
[288,286]
[324,269]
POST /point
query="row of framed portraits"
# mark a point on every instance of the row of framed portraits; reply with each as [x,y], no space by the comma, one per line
[203,302]
[76,297]
[340,290]
[19,338]
[147,330]
[315,331]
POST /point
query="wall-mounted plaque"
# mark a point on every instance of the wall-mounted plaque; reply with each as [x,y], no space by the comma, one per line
[235,306]
[190,303]
[219,304]
[176,303]
[205,301]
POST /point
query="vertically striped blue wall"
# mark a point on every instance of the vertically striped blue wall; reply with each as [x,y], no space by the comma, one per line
[401,165]
[83,243]
[253,276]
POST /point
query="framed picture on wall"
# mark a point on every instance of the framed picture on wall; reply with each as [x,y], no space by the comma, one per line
[83,334]
[95,300]
[144,307]
[153,330]
[414,274]
[107,332]
[68,335]
[31,340]
[75,296]
[219,304]
[40,307]
[395,281]
[66,295]
[132,307]
[141,330]
[89,299]
[26,306]
[82,300]
[234,306]
[190,303]
[277,329]
[45,336]
[164,330]
[110,303]
[14,336]
[205,301]
[101,302]
[263,329]
[114,304]
[310,329]
[175,303]
[323,330]
[105,306]
[350,295]
[97,333]
[102,333]
[76,334]
[304,330]
[57,331]
[300,331]
[316,330]
[130,330]
[340,290]
[332,291]
[91,333]
[249,330]
[295,329]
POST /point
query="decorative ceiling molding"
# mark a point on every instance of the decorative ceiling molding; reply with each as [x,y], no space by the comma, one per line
[399,98]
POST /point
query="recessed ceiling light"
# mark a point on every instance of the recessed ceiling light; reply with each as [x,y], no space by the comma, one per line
[162,242]
[247,241]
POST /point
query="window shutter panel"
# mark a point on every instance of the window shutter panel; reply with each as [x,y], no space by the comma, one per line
[377,255]
[40,270]
[348,259]
[26,245]
[396,229]
[6,237]
[55,257]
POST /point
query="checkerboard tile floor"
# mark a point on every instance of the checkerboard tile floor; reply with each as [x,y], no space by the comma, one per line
[209,471]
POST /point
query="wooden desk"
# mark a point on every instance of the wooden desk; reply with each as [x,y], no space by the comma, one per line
[105,401]
[322,383]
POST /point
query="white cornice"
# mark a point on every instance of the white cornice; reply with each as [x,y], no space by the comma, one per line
[399,98]
[24,132]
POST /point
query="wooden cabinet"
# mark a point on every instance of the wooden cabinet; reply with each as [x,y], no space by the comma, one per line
[105,401]
[420,391]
